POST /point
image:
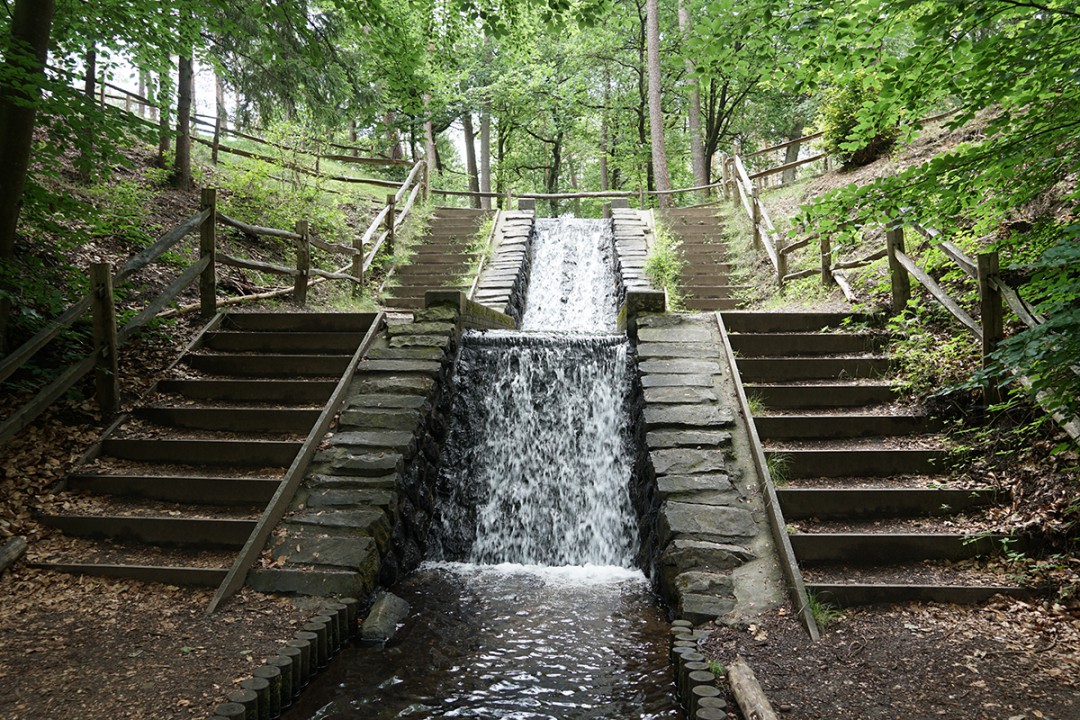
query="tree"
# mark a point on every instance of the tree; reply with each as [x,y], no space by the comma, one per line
[656,111]
[20,90]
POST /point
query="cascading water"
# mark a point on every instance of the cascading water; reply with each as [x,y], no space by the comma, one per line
[530,606]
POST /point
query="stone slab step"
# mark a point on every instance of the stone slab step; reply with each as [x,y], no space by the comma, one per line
[861,503]
[800,344]
[300,322]
[751,321]
[196,532]
[246,453]
[790,397]
[887,548]
[710,304]
[791,427]
[203,490]
[877,462]
[240,420]
[856,594]
[271,391]
[812,368]
[284,342]
[241,365]
[166,574]
[403,303]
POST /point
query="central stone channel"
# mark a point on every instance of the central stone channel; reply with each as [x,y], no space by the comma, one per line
[530,604]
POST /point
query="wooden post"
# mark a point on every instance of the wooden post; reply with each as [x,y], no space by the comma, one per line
[641,197]
[390,218]
[724,175]
[733,180]
[106,378]
[208,248]
[781,266]
[358,265]
[755,206]
[425,193]
[303,263]
[827,279]
[992,313]
[901,283]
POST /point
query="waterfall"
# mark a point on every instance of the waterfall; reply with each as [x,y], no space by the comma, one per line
[537,466]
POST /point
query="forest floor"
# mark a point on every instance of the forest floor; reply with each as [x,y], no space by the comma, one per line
[1009,659]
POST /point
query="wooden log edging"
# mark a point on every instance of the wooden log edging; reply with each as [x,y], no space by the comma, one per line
[699,690]
[278,683]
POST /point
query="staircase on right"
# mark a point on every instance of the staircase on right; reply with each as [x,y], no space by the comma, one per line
[862,480]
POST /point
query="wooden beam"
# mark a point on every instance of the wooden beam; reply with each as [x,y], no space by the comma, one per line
[106,369]
[748,693]
[787,166]
[939,294]
[256,229]
[785,145]
[225,259]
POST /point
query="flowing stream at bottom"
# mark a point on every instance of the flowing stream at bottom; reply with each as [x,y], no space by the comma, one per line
[529,605]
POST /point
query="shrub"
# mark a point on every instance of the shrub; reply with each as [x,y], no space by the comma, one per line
[856,128]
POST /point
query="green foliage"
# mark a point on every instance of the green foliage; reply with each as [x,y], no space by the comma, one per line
[664,264]
[118,209]
[927,361]
[778,465]
[854,130]
[824,613]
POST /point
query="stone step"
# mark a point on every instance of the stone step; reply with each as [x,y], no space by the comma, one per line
[271,391]
[202,490]
[888,548]
[856,594]
[801,427]
[299,322]
[861,462]
[403,303]
[801,344]
[790,397]
[283,342]
[241,365]
[195,532]
[246,453]
[233,419]
[167,574]
[865,503]
[812,368]
[753,321]
[710,304]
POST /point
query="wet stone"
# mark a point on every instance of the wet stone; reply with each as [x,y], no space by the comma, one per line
[374,438]
[679,395]
[403,384]
[306,546]
[705,498]
[370,522]
[684,554]
[680,366]
[441,341]
[657,380]
[386,400]
[704,583]
[349,497]
[687,415]
[386,613]
[713,482]
[437,313]
[425,367]
[690,519]
[677,320]
[687,438]
[322,582]
[677,350]
[434,354]
[372,463]
[703,608]
[686,461]
[381,419]
[388,482]
[421,328]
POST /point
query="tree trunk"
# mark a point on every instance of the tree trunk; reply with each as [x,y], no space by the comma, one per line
[604,132]
[656,113]
[181,174]
[164,134]
[485,154]
[470,158]
[85,163]
[697,144]
[144,82]
[552,179]
[24,63]
[354,137]
[222,118]
[791,153]
[429,140]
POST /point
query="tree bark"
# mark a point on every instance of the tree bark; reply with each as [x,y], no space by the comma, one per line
[604,150]
[84,163]
[144,82]
[164,135]
[697,144]
[791,153]
[485,154]
[429,139]
[470,158]
[221,116]
[656,113]
[181,174]
[24,60]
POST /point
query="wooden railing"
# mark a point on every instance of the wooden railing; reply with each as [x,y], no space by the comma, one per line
[100,299]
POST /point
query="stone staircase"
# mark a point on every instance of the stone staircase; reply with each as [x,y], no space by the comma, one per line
[439,262]
[176,487]
[861,481]
[707,269]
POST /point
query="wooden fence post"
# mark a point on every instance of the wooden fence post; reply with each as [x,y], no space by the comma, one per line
[733,179]
[303,263]
[755,207]
[781,266]
[901,283]
[390,219]
[991,307]
[358,265]
[826,260]
[106,378]
[208,248]
[425,192]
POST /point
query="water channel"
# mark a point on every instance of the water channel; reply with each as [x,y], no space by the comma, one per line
[529,605]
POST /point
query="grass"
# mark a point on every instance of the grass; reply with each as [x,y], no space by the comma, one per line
[778,465]
[824,613]
[664,264]
[755,404]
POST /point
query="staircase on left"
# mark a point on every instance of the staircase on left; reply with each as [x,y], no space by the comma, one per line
[176,487]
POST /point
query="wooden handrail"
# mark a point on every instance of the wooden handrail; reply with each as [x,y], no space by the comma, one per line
[784,145]
[256,229]
[939,294]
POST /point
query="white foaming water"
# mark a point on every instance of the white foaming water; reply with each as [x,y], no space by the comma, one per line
[553,576]
[572,281]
